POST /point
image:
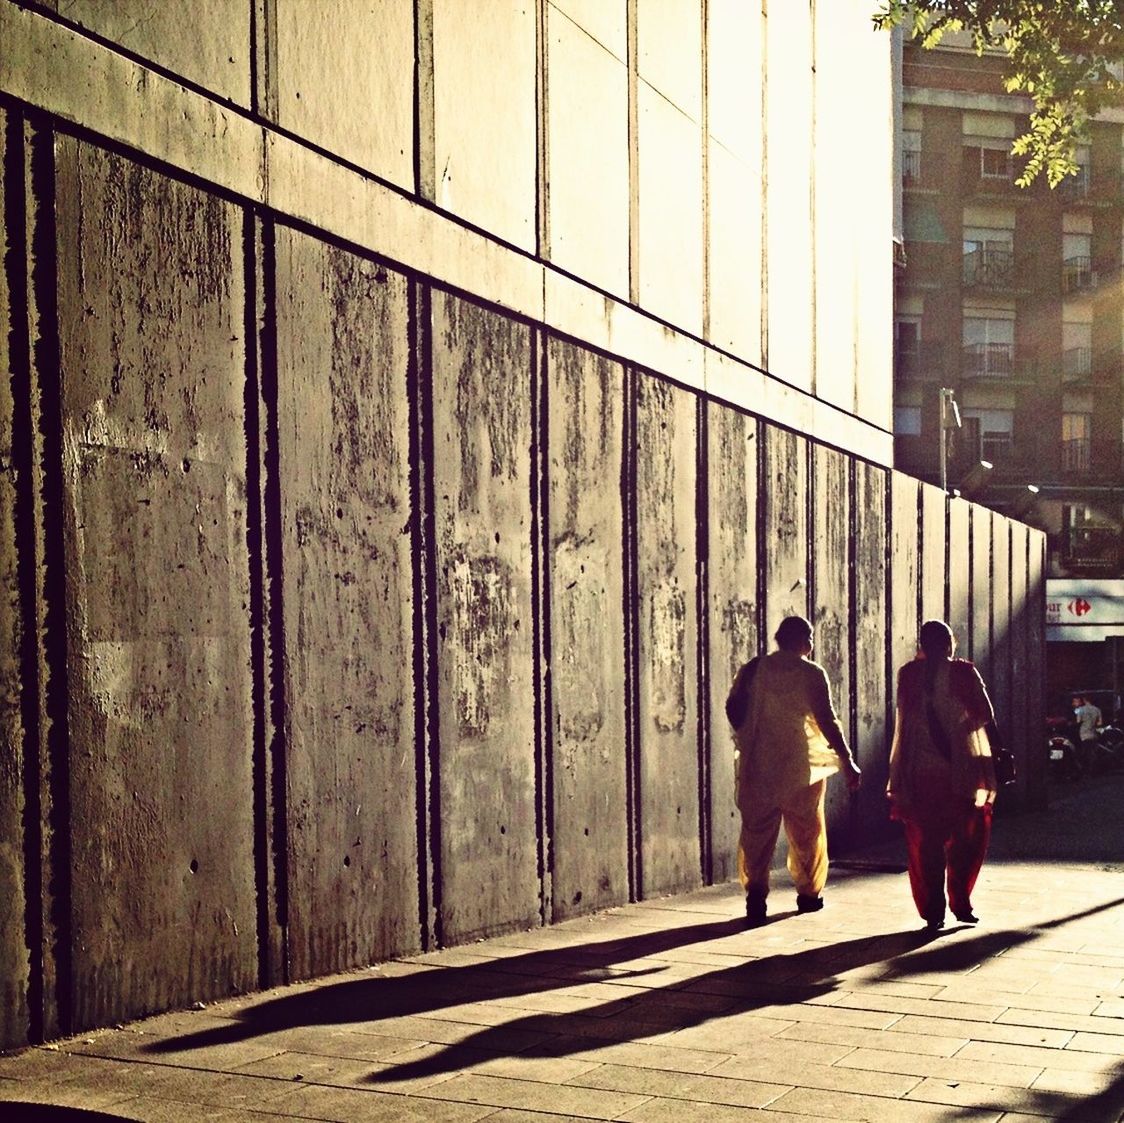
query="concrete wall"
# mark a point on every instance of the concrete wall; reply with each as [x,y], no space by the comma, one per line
[377,548]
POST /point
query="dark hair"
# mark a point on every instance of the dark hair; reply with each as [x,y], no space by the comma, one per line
[936,643]
[793,633]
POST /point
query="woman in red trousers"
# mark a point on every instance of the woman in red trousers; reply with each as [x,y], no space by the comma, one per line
[942,777]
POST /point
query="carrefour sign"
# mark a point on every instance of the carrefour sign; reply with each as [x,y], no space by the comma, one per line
[1084,610]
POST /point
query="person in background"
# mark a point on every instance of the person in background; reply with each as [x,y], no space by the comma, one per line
[788,744]
[1089,720]
[942,778]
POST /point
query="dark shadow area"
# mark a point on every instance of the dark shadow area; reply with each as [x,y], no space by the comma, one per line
[365,999]
[1106,1104]
[1082,824]
[17,1111]
[774,980]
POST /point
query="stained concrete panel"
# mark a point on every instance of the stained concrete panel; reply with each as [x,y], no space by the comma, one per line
[934,577]
[487,860]
[904,568]
[14,963]
[152,337]
[732,576]
[671,225]
[734,78]
[585,441]
[959,574]
[999,681]
[831,613]
[784,516]
[980,631]
[587,167]
[874,689]
[1035,764]
[344,80]
[343,464]
[853,209]
[668,631]
[669,50]
[1017,731]
[484,64]
[788,175]
[734,283]
[168,33]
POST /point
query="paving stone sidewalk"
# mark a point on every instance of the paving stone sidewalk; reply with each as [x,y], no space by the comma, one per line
[671,1010]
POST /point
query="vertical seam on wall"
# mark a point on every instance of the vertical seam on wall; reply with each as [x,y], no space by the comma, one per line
[702,645]
[920,528]
[540,616]
[763,429]
[273,543]
[542,119]
[23,456]
[887,608]
[630,601]
[812,199]
[855,524]
[969,607]
[763,66]
[255,559]
[426,717]
[947,511]
[704,14]
[47,386]
[811,474]
[424,127]
[633,153]
[263,60]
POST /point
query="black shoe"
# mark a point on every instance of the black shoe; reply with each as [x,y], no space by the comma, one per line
[934,923]
[806,903]
[754,909]
[967,917]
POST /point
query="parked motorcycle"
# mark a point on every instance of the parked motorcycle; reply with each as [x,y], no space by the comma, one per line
[1063,763]
[1068,759]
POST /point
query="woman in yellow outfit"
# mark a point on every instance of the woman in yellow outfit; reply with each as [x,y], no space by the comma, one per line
[789,742]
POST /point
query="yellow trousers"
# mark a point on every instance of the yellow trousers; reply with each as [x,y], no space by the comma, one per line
[802,813]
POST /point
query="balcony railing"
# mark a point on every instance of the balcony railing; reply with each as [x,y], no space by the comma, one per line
[990,269]
[1092,548]
[1077,455]
[1076,187]
[1078,275]
[988,360]
[919,360]
[911,167]
[1077,363]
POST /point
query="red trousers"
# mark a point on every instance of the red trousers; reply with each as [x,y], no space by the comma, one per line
[946,844]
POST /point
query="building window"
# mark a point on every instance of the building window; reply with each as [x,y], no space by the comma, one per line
[989,346]
[995,163]
[907,421]
[1077,262]
[1077,442]
[988,256]
[911,156]
[986,434]
[1077,186]
[1077,351]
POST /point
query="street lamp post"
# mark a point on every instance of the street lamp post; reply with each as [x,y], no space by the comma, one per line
[950,419]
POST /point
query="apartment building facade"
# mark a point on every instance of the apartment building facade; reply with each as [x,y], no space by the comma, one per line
[1013,299]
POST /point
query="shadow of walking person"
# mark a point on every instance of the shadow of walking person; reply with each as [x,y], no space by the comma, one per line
[431,988]
[762,985]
